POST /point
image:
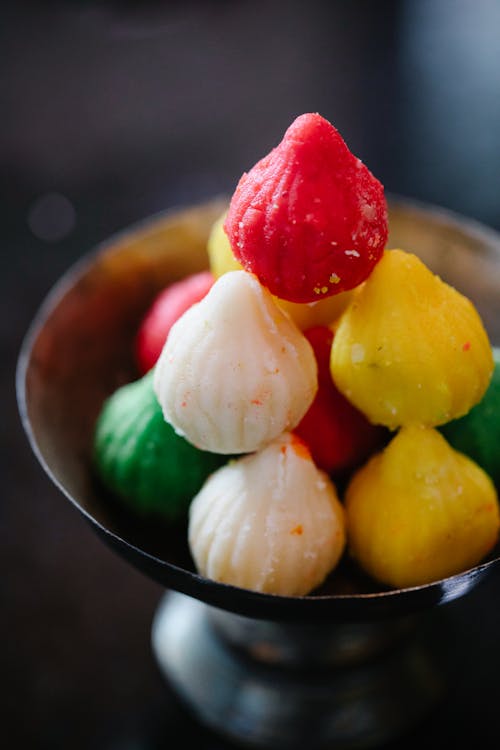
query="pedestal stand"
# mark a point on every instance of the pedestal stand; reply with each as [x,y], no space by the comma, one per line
[266,684]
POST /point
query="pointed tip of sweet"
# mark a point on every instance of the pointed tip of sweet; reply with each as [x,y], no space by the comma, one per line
[238,284]
[312,127]
[310,120]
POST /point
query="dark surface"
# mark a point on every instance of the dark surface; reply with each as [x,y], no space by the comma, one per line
[122,110]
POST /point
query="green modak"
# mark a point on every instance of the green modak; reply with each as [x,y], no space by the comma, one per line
[141,459]
[477,434]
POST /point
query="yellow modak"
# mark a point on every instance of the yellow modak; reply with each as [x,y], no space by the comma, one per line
[420,511]
[409,348]
[324,312]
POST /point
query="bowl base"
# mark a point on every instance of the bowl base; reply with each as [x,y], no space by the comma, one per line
[266,684]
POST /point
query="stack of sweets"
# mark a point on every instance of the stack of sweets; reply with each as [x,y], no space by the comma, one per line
[308,352]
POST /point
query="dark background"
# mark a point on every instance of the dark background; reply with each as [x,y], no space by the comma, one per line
[110,112]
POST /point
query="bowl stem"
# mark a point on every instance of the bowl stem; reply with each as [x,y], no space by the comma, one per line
[268,684]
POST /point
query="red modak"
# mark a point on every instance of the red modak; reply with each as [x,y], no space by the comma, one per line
[166,308]
[338,435]
[309,219]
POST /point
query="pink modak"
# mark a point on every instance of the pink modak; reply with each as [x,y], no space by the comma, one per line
[309,219]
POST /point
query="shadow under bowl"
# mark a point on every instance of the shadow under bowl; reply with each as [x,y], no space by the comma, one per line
[79,349]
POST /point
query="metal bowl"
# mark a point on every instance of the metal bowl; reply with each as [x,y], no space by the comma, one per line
[79,350]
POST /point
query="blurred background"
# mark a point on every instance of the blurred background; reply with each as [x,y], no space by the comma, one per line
[113,111]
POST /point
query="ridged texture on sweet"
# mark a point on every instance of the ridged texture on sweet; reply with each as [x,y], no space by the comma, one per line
[235,371]
[477,434]
[420,511]
[140,458]
[322,312]
[269,522]
[309,219]
[410,349]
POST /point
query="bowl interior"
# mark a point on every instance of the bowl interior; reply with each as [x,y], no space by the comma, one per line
[79,350]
